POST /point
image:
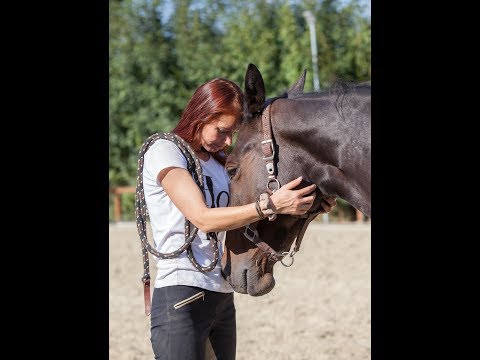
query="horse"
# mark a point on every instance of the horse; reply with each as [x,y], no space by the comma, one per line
[322,136]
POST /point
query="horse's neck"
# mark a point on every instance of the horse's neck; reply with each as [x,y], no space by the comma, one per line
[334,147]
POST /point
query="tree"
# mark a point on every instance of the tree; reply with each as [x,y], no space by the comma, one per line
[140,100]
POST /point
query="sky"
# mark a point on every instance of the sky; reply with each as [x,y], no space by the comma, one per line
[169,4]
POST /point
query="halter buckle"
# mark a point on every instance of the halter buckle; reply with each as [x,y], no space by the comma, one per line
[269,141]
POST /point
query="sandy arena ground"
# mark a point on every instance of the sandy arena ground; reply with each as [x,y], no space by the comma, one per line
[319,308]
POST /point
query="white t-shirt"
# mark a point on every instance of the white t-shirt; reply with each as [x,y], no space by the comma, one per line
[168,223]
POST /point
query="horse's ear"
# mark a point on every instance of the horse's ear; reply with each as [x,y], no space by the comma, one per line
[254,90]
[299,84]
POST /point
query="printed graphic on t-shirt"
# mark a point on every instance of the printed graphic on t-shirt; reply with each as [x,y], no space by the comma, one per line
[222,199]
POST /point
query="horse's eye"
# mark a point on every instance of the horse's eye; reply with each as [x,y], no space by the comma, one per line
[231,172]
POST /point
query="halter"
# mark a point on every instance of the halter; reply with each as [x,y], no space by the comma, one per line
[250,230]
[141,213]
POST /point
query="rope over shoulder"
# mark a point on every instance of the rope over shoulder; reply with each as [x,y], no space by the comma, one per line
[141,213]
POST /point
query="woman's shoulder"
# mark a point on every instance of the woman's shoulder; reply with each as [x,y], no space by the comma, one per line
[165,148]
[165,152]
[164,144]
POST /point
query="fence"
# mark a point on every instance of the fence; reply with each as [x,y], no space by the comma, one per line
[118,191]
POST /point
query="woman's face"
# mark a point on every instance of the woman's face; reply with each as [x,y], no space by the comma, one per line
[215,135]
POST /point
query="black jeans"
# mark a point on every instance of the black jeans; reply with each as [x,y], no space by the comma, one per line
[181,333]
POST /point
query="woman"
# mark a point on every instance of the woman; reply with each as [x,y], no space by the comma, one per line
[190,306]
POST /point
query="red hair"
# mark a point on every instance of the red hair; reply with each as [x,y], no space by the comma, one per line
[212,99]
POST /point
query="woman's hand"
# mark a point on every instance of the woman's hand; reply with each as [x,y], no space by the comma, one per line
[293,202]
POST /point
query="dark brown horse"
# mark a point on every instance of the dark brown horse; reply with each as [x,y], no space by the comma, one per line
[323,136]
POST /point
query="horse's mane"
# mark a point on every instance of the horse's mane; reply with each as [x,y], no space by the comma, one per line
[340,87]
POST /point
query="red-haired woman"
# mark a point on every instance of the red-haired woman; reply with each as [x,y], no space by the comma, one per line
[190,306]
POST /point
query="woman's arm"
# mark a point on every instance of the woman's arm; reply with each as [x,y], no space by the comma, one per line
[187,197]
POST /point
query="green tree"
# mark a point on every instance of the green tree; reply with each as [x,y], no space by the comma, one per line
[140,83]
[251,37]
[294,46]
[343,48]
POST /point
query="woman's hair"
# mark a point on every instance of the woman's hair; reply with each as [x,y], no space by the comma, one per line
[212,99]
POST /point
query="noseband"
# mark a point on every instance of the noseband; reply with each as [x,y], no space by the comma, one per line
[250,231]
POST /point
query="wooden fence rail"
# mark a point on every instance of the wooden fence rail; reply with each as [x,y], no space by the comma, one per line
[118,191]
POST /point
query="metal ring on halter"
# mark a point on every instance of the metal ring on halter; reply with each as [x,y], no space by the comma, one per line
[273,180]
[291,256]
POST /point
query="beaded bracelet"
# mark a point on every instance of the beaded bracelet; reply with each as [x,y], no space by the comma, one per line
[265,206]
[259,211]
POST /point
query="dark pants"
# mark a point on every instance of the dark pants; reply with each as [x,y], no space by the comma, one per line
[181,334]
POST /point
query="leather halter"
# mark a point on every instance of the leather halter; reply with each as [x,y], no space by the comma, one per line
[250,231]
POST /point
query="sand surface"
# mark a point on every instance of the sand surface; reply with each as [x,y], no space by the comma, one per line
[319,309]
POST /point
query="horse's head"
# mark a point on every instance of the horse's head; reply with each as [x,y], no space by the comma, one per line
[248,268]
[304,142]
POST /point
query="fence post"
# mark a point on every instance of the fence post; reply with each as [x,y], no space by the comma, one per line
[359,216]
[117,206]
[117,192]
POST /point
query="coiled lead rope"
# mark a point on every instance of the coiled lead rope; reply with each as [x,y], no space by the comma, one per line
[141,212]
